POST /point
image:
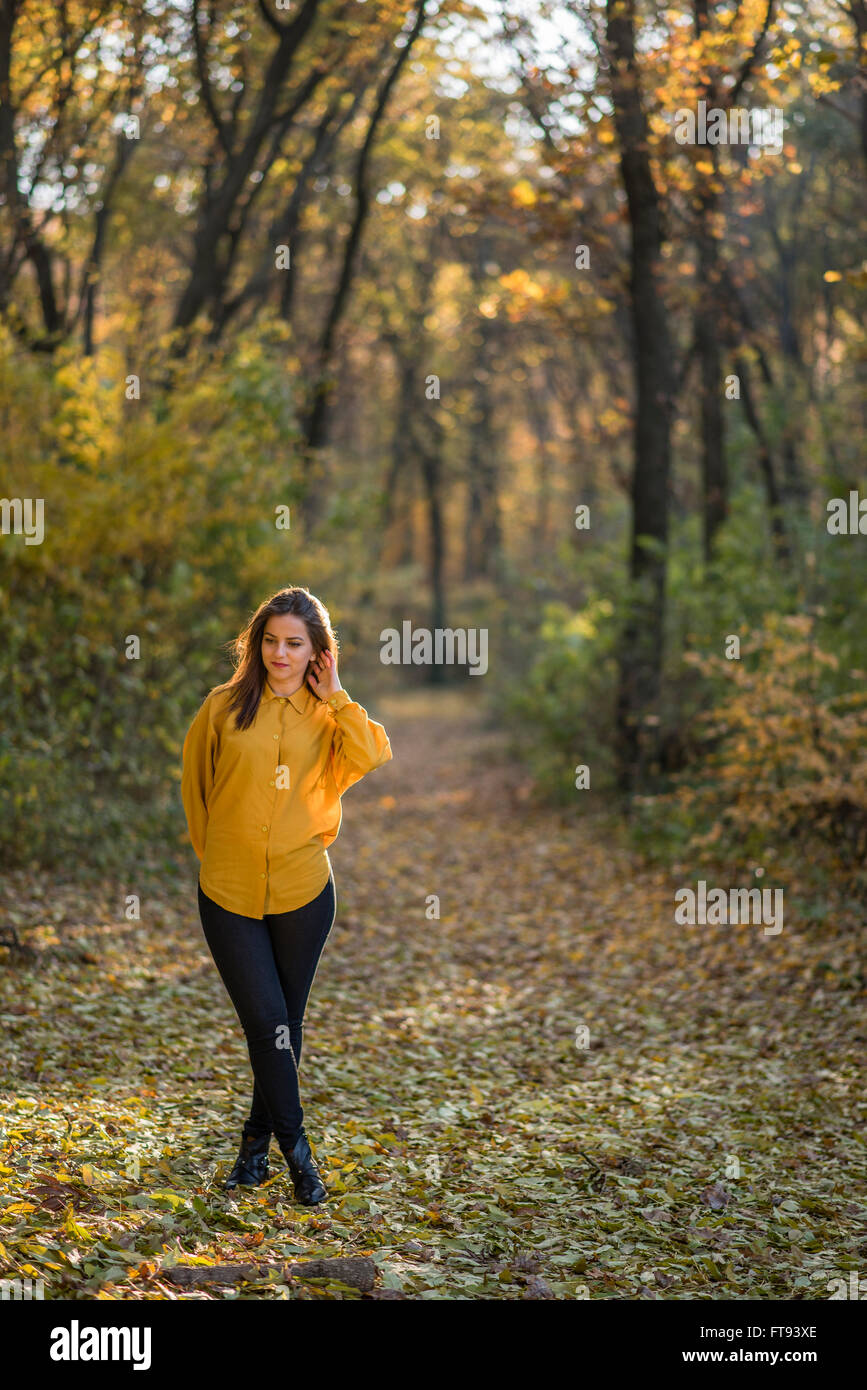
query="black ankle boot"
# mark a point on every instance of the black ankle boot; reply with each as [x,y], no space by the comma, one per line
[251,1165]
[306,1177]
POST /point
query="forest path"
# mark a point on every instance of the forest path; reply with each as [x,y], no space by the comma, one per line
[693,1147]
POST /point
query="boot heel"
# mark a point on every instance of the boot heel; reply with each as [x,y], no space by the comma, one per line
[251,1166]
[306,1177]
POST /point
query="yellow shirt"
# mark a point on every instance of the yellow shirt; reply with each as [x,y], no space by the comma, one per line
[262,804]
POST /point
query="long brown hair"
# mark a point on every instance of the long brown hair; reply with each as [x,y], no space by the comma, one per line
[248,682]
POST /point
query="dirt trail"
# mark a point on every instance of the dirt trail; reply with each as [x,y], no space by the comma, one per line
[704,1139]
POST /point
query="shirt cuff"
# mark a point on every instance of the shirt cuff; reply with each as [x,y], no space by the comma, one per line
[336,701]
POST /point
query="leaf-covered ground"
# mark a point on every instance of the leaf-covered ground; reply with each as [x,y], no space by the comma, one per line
[707,1142]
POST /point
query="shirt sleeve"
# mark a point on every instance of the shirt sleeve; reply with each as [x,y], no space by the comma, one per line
[359,744]
[197,778]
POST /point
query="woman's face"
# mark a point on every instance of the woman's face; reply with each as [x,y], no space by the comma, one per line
[286,649]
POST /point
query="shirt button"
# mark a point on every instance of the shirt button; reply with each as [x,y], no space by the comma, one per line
[264,827]
[261,875]
[282,701]
[275,735]
[272,783]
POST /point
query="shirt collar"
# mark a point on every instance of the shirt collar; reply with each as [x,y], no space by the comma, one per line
[299,701]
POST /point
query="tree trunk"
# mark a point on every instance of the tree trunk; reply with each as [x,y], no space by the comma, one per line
[483,533]
[90,279]
[708,350]
[409,372]
[858,11]
[642,639]
[431,469]
[766,461]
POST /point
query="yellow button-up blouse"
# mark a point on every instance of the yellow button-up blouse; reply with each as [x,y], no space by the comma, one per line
[263,804]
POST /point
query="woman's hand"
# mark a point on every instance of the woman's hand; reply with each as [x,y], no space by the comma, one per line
[323,677]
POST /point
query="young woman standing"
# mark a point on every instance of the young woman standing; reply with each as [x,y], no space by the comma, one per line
[265,763]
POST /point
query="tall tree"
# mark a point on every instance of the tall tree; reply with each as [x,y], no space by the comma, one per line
[237,153]
[642,639]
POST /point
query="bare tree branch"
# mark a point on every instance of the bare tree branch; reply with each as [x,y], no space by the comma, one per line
[205,84]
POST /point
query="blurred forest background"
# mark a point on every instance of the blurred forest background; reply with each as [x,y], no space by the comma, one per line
[436,278]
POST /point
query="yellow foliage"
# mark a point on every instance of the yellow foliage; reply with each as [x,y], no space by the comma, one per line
[523,194]
[789,760]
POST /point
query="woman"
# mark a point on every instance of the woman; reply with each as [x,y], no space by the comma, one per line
[265,763]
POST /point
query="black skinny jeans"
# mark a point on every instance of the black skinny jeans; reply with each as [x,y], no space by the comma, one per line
[267,965]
